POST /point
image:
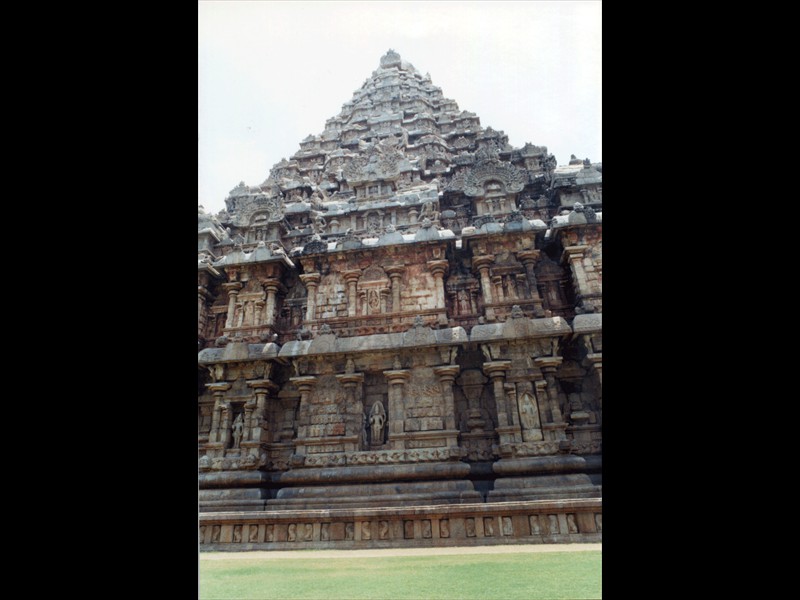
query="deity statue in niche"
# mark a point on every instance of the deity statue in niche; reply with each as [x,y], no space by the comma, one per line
[377,420]
[464,307]
[528,413]
[374,301]
[238,425]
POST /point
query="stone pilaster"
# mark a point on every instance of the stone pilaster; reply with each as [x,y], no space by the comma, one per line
[482,263]
[350,383]
[271,287]
[311,281]
[496,371]
[446,375]
[529,258]
[258,313]
[351,279]
[218,390]
[497,282]
[202,297]
[596,360]
[548,366]
[258,427]
[397,379]
[438,269]
[233,291]
[573,256]
[395,272]
[304,385]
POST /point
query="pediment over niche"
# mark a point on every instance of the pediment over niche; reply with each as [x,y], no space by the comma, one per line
[374,273]
[491,172]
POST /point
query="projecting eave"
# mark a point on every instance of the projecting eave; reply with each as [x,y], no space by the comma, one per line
[588,323]
[521,327]
[208,268]
[236,352]
[416,337]
[260,255]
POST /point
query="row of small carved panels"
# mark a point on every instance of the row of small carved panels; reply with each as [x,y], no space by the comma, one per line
[471,451]
[232,464]
[409,529]
[382,457]
[549,447]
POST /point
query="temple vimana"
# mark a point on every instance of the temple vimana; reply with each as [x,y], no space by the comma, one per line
[400,337]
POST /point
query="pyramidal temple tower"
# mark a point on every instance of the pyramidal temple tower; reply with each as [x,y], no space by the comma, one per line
[400,337]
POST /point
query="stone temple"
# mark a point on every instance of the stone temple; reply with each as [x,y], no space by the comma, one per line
[400,337]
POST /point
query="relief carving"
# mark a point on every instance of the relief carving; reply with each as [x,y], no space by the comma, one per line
[553,524]
[469,526]
[536,528]
[571,525]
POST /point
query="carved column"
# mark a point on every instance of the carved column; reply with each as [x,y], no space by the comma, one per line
[304,384]
[233,291]
[548,366]
[271,286]
[482,263]
[395,272]
[496,370]
[351,278]
[258,425]
[438,268]
[311,281]
[218,390]
[397,379]
[446,376]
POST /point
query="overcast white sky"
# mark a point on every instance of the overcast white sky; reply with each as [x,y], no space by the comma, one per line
[271,73]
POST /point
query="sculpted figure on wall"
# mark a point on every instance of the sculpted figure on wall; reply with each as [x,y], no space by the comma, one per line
[377,420]
[238,425]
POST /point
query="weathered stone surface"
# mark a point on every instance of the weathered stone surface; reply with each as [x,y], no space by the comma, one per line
[400,337]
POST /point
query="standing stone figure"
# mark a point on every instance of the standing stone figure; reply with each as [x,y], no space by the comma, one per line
[377,419]
[238,425]
[528,414]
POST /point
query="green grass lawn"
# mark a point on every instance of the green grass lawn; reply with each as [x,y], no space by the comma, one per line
[524,576]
